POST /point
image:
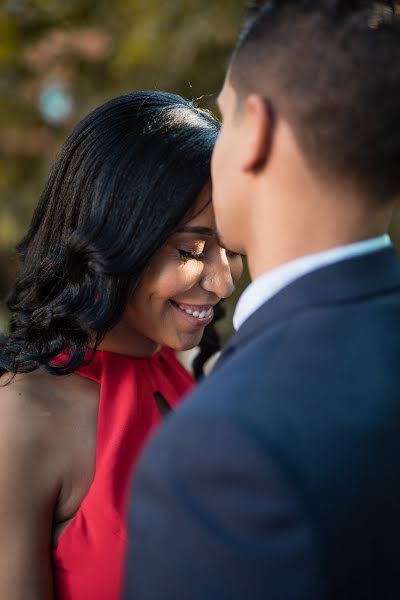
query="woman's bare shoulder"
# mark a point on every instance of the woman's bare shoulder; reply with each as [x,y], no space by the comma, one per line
[30,481]
[39,411]
[48,437]
[44,396]
[25,405]
[29,426]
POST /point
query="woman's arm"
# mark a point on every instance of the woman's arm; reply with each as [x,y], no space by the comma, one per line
[29,485]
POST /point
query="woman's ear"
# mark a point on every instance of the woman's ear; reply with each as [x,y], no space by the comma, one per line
[257,130]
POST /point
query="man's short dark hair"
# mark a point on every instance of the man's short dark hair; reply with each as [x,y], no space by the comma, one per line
[332,70]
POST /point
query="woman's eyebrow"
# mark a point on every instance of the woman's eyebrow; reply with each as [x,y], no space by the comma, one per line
[199,230]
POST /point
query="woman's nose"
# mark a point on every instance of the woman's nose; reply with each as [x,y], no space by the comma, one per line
[217,277]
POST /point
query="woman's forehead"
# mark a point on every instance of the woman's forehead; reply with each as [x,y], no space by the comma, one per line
[203,216]
[201,213]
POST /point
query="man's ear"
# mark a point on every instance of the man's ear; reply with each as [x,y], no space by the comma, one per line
[258,133]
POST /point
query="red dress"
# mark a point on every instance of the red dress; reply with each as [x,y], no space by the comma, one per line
[89,557]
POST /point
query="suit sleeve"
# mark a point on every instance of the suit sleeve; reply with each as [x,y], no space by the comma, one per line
[211,518]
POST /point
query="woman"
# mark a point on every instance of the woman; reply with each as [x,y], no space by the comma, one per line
[121,266]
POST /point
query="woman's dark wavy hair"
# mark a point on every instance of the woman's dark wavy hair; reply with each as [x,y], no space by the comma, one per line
[123,182]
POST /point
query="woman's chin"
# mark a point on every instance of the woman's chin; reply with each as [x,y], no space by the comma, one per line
[187,342]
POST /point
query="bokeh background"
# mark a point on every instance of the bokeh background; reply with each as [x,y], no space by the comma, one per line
[61,58]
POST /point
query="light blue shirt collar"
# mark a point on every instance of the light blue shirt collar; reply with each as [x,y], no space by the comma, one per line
[269,284]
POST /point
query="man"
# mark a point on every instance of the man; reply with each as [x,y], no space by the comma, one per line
[279,478]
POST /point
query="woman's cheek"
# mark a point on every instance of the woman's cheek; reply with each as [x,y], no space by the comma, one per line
[193,271]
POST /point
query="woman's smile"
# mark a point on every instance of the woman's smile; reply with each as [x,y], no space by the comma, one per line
[198,315]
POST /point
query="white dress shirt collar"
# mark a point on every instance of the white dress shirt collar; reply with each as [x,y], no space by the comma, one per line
[270,283]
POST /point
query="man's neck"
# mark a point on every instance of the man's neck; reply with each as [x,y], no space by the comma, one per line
[285,237]
[274,257]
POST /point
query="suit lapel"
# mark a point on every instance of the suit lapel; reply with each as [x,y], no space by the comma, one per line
[348,280]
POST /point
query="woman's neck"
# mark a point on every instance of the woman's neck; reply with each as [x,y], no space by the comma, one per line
[124,340]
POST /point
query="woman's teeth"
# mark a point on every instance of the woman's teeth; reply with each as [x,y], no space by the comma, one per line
[204,314]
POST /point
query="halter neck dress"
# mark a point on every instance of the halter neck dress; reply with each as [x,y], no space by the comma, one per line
[134,396]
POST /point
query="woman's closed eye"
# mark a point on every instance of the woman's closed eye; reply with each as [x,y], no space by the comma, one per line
[194,251]
[194,255]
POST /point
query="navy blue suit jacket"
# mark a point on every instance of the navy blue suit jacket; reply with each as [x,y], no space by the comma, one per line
[279,478]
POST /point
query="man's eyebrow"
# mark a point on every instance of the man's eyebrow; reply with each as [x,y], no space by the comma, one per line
[199,230]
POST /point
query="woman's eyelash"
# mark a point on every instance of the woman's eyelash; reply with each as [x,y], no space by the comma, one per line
[191,255]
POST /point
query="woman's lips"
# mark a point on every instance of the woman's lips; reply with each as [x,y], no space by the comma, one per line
[201,311]
[197,314]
